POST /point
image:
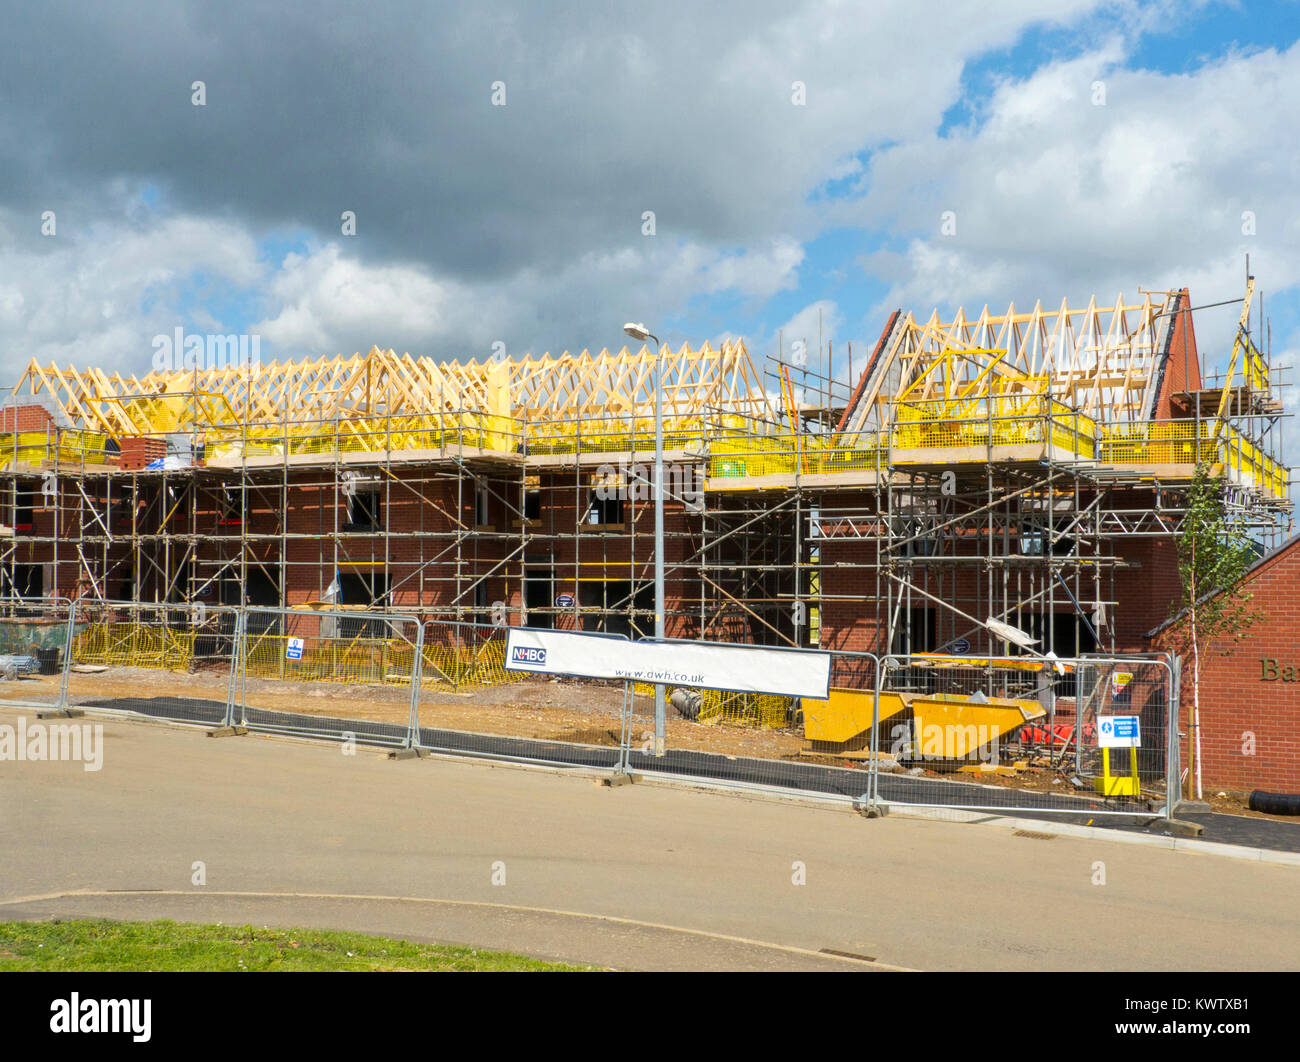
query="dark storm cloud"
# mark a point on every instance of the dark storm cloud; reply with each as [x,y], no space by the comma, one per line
[386,110]
[475,223]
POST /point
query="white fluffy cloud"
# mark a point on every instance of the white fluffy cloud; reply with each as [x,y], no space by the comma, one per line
[328,303]
[322,296]
[1053,195]
[476,223]
[97,297]
[522,225]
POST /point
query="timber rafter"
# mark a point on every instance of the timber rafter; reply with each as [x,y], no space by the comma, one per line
[1100,360]
[535,387]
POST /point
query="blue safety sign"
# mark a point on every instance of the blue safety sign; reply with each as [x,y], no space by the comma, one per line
[1118,732]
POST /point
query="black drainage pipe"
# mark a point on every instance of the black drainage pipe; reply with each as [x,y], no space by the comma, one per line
[1275,803]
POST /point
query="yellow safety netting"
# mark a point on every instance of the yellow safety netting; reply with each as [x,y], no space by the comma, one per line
[1254,466]
[469,665]
[365,435]
[992,420]
[922,425]
[64,447]
[378,661]
[741,451]
[736,453]
[153,645]
[356,660]
[1174,443]
[736,709]
[612,435]
[746,709]
[1190,443]
[484,431]
[844,453]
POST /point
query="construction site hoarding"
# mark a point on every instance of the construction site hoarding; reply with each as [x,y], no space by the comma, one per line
[737,668]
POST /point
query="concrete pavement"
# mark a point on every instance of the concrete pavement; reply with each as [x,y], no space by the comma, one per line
[551,864]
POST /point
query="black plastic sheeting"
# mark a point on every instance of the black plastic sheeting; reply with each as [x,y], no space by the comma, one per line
[1275,803]
[184,709]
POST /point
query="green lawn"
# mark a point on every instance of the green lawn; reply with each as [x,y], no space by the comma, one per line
[100,944]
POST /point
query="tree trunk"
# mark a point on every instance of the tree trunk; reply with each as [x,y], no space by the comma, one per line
[1194,738]
[1196,702]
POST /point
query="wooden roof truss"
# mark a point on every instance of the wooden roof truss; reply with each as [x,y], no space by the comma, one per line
[1100,360]
[537,388]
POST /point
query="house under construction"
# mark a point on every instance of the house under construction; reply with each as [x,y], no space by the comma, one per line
[1019,468]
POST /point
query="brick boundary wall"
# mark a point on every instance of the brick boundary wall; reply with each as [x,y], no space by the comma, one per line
[1250,721]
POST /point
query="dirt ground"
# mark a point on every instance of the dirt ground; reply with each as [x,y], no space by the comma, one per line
[584,713]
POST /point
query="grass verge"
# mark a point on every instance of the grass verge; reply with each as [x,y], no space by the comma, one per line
[85,944]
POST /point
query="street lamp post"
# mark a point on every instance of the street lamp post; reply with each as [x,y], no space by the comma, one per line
[641,333]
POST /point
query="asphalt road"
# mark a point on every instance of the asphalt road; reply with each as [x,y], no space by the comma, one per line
[641,877]
[1278,834]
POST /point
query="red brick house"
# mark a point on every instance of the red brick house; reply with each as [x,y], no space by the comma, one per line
[1250,689]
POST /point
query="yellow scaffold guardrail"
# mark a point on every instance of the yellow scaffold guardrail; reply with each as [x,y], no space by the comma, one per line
[1023,419]
[483,431]
[993,420]
[613,434]
[1190,443]
[66,447]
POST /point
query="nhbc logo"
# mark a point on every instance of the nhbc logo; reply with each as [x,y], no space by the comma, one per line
[529,655]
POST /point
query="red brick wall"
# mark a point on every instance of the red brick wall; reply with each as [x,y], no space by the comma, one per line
[416,510]
[1238,705]
[28,418]
[615,553]
[862,378]
[428,512]
[1147,591]
[1183,370]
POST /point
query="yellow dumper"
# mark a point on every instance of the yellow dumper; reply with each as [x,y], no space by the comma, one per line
[942,726]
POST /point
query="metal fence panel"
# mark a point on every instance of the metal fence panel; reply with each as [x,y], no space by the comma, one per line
[34,634]
[1022,734]
[765,741]
[471,704]
[1004,734]
[131,656]
[334,674]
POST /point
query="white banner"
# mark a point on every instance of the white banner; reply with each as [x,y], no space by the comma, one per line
[741,668]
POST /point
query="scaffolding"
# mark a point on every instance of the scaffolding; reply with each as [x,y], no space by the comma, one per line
[1015,470]
[1012,482]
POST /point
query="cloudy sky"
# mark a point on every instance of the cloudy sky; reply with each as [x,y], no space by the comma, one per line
[500,160]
